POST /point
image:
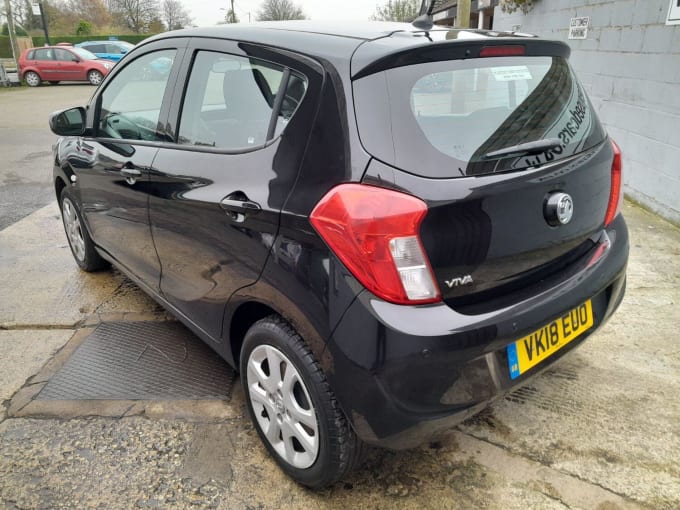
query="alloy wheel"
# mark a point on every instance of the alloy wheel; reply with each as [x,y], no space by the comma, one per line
[282,406]
[32,79]
[73,229]
[95,77]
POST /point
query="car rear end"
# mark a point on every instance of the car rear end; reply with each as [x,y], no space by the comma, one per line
[22,63]
[486,231]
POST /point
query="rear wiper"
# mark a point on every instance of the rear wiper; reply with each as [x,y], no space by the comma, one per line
[524,149]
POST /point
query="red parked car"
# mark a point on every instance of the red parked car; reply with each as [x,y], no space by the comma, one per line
[59,63]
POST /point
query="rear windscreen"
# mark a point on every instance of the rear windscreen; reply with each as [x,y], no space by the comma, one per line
[464,117]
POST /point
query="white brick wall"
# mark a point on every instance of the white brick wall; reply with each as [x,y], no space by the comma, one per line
[630,66]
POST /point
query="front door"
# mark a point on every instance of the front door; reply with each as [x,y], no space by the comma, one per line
[113,175]
[215,197]
[69,66]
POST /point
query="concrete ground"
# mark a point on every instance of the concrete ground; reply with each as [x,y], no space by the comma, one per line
[599,430]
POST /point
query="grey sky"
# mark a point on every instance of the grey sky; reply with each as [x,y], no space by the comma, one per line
[207,12]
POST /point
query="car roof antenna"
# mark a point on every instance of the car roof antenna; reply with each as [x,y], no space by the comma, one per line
[425,21]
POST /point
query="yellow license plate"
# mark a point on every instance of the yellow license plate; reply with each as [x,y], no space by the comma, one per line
[529,351]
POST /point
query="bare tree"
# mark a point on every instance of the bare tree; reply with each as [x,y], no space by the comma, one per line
[231,17]
[93,11]
[397,10]
[276,10]
[174,15]
[135,14]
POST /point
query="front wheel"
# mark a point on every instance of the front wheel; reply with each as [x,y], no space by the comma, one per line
[79,240]
[95,77]
[32,79]
[293,408]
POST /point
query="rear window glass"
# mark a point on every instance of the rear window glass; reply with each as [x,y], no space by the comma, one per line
[448,118]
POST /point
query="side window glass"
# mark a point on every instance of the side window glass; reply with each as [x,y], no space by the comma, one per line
[64,55]
[295,91]
[45,54]
[228,101]
[112,49]
[131,103]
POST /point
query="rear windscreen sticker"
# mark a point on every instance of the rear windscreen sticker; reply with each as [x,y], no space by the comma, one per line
[511,73]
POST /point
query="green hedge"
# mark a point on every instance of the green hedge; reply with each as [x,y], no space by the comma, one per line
[5,47]
[75,39]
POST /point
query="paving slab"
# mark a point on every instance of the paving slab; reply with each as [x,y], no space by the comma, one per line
[43,287]
[24,353]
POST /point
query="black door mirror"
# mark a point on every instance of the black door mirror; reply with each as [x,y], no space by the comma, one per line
[69,122]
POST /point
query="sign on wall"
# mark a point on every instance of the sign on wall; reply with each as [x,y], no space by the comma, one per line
[578,27]
[673,13]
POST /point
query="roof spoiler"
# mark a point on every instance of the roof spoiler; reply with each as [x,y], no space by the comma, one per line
[456,49]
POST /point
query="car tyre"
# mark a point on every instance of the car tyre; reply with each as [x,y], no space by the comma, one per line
[82,247]
[293,408]
[95,77]
[32,79]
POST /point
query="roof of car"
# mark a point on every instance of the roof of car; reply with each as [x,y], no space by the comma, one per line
[363,30]
[334,40]
[103,41]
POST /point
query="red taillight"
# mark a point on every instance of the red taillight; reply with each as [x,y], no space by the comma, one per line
[374,232]
[615,194]
[503,51]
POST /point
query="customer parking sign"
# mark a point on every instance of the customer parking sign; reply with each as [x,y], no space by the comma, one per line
[673,13]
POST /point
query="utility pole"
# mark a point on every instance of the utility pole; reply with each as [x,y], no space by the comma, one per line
[233,13]
[463,14]
[12,33]
[44,22]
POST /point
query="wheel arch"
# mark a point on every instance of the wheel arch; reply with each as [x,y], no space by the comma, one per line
[244,316]
[24,72]
[59,185]
[254,303]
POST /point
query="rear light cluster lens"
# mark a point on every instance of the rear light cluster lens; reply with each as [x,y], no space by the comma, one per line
[616,193]
[374,232]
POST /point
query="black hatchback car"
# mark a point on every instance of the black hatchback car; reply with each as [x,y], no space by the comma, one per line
[382,228]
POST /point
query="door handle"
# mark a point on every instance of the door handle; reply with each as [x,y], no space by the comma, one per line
[242,206]
[130,172]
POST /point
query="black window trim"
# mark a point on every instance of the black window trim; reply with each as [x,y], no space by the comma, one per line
[270,139]
[170,109]
[94,108]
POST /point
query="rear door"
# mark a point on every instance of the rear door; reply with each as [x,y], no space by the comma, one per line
[46,62]
[488,142]
[215,197]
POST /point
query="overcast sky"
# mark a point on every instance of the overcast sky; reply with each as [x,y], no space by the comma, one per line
[207,12]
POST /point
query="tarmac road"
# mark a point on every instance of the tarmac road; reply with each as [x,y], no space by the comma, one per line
[600,430]
[26,145]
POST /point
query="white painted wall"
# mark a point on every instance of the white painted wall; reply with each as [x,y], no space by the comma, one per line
[630,66]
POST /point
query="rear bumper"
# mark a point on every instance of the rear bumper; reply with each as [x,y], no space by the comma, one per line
[404,373]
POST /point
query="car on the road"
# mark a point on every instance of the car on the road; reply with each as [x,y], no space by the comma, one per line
[54,64]
[109,50]
[378,255]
